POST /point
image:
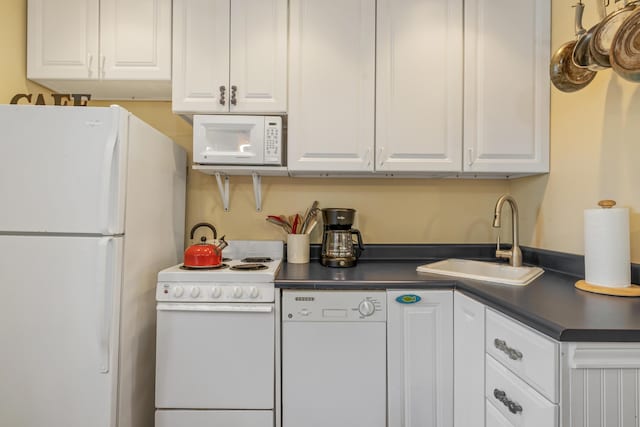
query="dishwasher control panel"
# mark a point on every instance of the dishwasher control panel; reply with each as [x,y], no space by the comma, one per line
[334,306]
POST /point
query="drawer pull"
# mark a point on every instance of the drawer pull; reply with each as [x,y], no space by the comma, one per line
[501,396]
[511,352]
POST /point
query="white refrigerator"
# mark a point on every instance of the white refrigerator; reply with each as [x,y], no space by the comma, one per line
[92,204]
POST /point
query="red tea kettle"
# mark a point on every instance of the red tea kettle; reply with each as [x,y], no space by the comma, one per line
[203,254]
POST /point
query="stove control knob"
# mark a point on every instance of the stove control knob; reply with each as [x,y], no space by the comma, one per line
[216,292]
[195,292]
[366,308]
[178,291]
[253,292]
[237,292]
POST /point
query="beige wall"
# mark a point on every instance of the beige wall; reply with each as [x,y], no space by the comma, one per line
[595,153]
[594,150]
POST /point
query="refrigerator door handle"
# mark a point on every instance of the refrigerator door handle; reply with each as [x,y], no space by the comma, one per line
[107,186]
[105,282]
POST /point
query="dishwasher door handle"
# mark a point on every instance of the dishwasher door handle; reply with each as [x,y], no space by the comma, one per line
[217,307]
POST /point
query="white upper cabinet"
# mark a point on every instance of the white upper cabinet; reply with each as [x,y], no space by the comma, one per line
[135,39]
[332,85]
[419,85]
[57,50]
[111,49]
[229,56]
[458,91]
[506,105]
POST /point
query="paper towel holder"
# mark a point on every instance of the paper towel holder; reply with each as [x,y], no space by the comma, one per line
[607,204]
[628,291]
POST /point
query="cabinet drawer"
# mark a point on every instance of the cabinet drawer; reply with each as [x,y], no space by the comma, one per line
[515,400]
[530,355]
[493,417]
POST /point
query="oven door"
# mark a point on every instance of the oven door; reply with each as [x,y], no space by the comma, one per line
[215,356]
[228,140]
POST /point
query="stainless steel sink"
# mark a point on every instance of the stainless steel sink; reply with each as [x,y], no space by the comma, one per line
[480,270]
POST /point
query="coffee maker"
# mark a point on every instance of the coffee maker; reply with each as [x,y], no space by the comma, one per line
[338,247]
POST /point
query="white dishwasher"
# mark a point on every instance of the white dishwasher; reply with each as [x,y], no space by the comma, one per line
[334,363]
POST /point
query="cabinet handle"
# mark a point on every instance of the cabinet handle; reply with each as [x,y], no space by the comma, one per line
[501,396]
[380,152]
[222,95]
[511,352]
[89,62]
[470,156]
[234,89]
[102,62]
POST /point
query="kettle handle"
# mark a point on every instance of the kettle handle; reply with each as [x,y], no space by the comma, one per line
[360,246]
[204,224]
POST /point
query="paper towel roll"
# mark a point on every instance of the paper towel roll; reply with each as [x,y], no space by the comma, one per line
[606,247]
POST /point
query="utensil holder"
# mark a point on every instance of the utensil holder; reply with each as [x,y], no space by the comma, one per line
[298,248]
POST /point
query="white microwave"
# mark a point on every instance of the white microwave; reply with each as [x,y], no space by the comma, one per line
[237,140]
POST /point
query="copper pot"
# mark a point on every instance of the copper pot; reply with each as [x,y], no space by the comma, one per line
[602,41]
[565,74]
[625,49]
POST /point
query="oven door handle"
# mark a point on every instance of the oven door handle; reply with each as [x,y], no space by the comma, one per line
[217,307]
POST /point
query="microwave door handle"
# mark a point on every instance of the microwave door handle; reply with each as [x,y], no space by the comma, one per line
[229,154]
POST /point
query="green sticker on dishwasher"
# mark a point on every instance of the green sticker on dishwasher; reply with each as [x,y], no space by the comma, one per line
[408,299]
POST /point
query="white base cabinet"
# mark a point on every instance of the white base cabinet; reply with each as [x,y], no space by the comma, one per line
[110,49]
[528,379]
[468,361]
[420,358]
[516,400]
[600,384]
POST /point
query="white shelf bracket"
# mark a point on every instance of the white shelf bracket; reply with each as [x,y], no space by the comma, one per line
[224,190]
[257,190]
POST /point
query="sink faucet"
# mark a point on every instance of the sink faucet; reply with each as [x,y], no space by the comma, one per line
[514,255]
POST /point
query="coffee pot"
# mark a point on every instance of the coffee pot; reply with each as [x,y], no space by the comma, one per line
[338,246]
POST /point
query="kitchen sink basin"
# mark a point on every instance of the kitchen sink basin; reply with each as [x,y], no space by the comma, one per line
[480,270]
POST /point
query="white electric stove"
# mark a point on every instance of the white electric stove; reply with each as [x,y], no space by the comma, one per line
[215,362]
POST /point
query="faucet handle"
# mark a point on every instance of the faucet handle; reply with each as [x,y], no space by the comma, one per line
[502,253]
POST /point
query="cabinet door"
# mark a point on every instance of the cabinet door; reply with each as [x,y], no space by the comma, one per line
[331,100]
[600,384]
[258,56]
[135,39]
[200,56]
[420,358]
[62,39]
[506,102]
[468,361]
[419,85]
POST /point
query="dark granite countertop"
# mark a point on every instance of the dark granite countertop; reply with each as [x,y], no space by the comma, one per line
[551,304]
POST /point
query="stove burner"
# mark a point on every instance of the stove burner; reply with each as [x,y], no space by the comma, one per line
[250,267]
[257,259]
[216,267]
[226,259]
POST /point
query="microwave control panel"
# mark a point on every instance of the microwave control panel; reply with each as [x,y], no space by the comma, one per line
[273,140]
